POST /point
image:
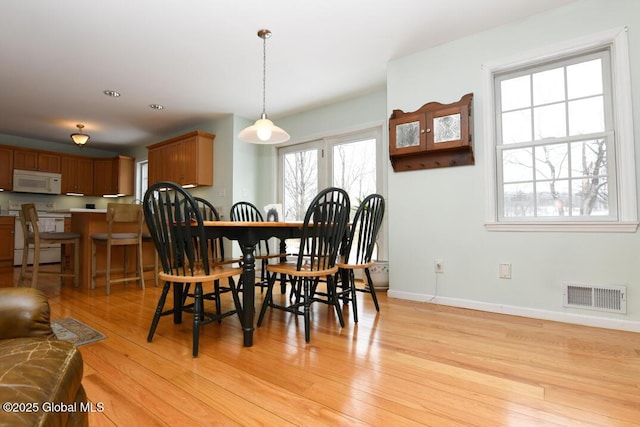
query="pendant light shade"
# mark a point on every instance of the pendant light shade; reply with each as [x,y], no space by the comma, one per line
[263,131]
[80,138]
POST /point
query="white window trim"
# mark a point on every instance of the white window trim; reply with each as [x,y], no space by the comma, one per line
[625,152]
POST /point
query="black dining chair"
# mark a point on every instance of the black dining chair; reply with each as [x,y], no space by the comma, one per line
[358,251]
[175,223]
[323,230]
[216,256]
[248,212]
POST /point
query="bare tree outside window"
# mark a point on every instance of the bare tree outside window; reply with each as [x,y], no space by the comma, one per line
[300,172]
[354,169]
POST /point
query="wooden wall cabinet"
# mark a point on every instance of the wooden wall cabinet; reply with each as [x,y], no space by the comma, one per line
[436,135]
[186,160]
[114,176]
[77,175]
[6,168]
[7,229]
[33,160]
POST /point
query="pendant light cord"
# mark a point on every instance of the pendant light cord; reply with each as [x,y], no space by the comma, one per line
[264,77]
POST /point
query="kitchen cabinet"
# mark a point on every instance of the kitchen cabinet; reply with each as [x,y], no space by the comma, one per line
[7,229]
[186,160]
[114,176]
[35,160]
[77,175]
[6,168]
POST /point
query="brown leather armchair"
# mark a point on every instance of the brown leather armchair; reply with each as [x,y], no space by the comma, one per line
[40,376]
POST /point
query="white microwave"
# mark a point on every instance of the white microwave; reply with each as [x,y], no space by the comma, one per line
[36,182]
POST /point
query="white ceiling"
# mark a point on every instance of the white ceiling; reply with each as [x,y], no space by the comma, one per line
[202,58]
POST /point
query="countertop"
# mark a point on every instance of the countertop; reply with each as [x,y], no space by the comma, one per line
[80,210]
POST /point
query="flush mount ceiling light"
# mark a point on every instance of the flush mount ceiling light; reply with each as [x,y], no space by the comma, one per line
[112,93]
[263,131]
[80,138]
[156,106]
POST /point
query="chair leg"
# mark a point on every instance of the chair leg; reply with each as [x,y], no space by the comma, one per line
[125,253]
[140,266]
[236,299]
[216,297]
[93,264]
[25,261]
[76,263]
[306,311]
[331,287]
[62,262]
[372,289]
[108,268]
[36,266]
[352,293]
[159,308]
[197,317]
[267,301]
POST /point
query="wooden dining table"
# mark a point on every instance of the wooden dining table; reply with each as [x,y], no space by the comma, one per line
[248,234]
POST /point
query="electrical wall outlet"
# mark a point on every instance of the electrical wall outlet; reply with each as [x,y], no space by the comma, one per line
[438,266]
[504,271]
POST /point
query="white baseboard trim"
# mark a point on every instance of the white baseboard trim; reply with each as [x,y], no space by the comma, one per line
[579,319]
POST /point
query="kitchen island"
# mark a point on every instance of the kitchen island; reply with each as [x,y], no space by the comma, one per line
[89,221]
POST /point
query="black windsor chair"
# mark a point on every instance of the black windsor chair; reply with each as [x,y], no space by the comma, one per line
[323,230]
[175,223]
[359,250]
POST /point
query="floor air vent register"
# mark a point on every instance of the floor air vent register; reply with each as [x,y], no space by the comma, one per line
[611,299]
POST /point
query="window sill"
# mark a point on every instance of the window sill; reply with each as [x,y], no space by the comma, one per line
[579,227]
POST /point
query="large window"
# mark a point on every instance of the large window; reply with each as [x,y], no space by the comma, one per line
[559,140]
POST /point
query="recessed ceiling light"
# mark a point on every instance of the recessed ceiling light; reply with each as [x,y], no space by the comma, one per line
[112,93]
[157,106]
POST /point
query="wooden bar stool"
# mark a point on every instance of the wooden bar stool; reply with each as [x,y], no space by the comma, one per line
[32,236]
[119,213]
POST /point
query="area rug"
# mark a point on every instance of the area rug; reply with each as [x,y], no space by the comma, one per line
[70,329]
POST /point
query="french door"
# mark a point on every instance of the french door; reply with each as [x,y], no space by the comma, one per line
[349,161]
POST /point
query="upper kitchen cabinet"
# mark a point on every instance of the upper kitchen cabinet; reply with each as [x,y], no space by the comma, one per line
[186,160]
[77,175]
[34,160]
[6,168]
[114,176]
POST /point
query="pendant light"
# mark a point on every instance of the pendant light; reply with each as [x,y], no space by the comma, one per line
[80,138]
[263,131]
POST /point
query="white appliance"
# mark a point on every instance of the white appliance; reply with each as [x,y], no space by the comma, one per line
[36,182]
[47,221]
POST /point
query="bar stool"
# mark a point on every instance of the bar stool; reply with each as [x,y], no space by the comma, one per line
[32,236]
[119,213]
[146,237]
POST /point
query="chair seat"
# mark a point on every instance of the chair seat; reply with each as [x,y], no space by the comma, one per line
[355,266]
[58,236]
[290,268]
[215,273]
[114,236]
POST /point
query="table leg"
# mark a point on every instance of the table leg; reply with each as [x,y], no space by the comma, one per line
[248,293]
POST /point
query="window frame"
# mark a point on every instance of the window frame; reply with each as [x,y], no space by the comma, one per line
[623,163]
[140,187]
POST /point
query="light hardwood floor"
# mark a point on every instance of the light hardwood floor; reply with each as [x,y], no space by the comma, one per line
[411,364]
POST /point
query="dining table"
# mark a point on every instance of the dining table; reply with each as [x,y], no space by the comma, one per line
[248,234]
